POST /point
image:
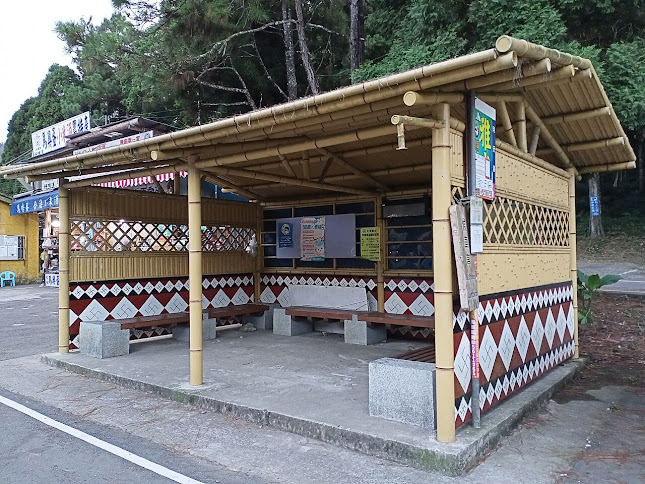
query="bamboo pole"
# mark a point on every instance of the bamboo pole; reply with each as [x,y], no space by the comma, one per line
[442,261]
[348,166]
[93,171]
[497,97]
[288,168]
[515,75]
[521,127]
[195,275]
[573,265]
[589,145]
[380,265]
[506,121]
[627,165]
[427,122]
[412,98]
[176,184]
[556,76]
[306,166]
[549,139]
[229,187]
[506,43]
[126,175]
[535,137]
[323,173]
[63,270]
[259,257]
[579,116]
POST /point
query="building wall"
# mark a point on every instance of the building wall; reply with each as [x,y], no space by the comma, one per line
[26,270]
[526,315]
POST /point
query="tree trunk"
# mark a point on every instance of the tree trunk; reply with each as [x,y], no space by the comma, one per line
[641,163]
[356,42]
[289,52]
[304,50]
[595,221]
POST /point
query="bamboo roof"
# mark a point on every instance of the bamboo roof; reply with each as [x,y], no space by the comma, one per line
[344,141]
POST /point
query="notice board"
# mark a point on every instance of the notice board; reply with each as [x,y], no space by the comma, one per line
[340,237]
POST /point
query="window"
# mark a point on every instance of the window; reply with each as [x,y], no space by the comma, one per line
[409,238]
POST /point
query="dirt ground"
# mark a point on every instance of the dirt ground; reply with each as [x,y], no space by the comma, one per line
[612,247]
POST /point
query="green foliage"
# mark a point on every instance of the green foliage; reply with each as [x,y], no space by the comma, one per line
[588,286]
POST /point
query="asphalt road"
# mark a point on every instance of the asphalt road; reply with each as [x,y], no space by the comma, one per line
[633,275]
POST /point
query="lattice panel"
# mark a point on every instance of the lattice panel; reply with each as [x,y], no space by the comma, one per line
[120,236]
[457,193]
[508,221]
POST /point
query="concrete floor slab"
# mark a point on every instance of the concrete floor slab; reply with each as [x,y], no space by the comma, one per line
[313,385]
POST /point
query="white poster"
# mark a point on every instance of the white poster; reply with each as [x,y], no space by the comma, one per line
[312,239]
[55,137]
[116,142]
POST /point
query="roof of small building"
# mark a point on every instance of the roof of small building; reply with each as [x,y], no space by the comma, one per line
[345,140]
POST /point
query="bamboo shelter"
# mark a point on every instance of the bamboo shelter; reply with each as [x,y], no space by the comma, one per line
[391,142]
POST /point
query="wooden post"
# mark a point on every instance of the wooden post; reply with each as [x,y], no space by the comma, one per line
[380,265]
[259,256]
[63,269]
[522,142]
[176,184]
[195,275]
[573,264]
[442,261]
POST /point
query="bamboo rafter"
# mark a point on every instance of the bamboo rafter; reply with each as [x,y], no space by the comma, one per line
[345,164]
[588,145]
[627,165]
[578,116]
[506,122]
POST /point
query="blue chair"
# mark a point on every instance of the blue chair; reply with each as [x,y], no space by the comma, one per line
[8,276]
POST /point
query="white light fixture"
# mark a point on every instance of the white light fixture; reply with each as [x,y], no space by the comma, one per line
[56,223]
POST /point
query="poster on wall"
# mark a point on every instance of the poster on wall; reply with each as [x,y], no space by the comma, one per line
[484,140]
[371,243]
[312,239]
[285,235]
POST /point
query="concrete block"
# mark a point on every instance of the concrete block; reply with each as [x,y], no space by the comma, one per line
[404,391]
[263,321]
[359,333]
[104,339]
[209,330]
[285,325]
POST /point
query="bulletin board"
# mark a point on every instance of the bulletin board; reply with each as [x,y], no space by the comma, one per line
[340,237]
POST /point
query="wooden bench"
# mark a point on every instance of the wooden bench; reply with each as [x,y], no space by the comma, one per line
[425,355]
[321,313]
[399,319]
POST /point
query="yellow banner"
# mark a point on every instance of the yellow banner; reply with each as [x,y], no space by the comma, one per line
[371,243]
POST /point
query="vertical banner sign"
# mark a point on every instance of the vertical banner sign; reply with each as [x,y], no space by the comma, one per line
[476,225]
[312,238]
[371,243]
[466,277]
[594,206]
[285,235]
[484,141]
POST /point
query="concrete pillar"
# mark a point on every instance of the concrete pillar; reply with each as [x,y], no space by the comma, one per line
[443,279]
[195,275]
[63,269]
[573,264]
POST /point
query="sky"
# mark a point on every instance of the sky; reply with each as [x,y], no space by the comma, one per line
[30,46]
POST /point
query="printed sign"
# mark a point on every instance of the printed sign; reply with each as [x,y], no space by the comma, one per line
[474,344]
[116,142]
[476,225]
[312,239]
[371,243]
[34,203]
[484,139]
[466,275]
[52,279]
[594,204]
[285,235]
[55,137]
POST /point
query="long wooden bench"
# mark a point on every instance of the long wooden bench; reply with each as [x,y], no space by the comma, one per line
[398,319]
[321,313]
[425,355]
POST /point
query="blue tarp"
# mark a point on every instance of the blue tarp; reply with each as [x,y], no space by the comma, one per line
[35,203]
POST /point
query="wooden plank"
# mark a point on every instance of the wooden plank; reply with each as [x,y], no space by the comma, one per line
[157,320]
[425,354]
[232,311]
[399,319]
[320,313]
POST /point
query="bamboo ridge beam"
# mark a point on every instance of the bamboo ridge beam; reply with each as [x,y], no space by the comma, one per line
[412,98]
[92,171]
[627,165]
[588,145]
[126,175]
[472,65]
[506,43]
[515,75]
[562,74]
[580,115]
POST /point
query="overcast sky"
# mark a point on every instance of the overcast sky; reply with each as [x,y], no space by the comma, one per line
[30,46]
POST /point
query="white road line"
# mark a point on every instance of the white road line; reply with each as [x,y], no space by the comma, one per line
[628,272]
[112,449]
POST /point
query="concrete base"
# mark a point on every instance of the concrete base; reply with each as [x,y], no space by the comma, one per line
[209,331]
[285,325]
[104,339]
[330,327]
[404,391]
[264,321]
[359,333]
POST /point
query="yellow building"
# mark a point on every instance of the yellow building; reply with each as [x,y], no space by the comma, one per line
[25,225]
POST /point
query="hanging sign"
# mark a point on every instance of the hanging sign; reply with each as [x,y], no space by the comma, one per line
[312,239]
[595,206]
[55,136]
[371,243]
[285,235]
[115,142]
[466,276]
[34,203]
[476,225]
[484,149]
